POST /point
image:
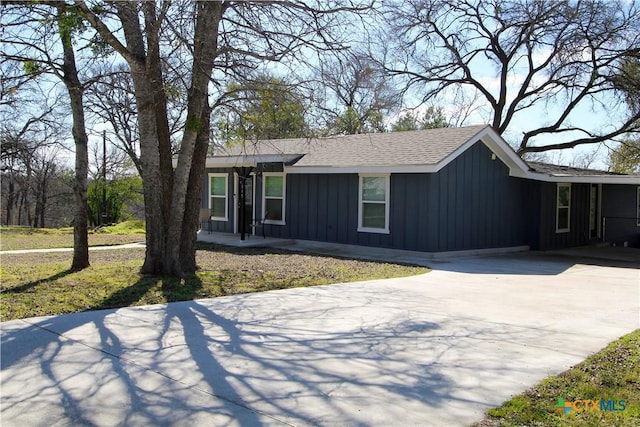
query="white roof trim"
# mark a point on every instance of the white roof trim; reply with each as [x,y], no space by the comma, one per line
[362,169]
[585,179]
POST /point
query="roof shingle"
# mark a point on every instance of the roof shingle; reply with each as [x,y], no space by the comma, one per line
[420,147]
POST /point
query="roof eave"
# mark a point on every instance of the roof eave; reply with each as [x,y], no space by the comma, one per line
[249,160]
[586,179]
[381,169]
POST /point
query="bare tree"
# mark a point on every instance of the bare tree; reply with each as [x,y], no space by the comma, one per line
[40,37]
[32,123]
[221,39]
[354,94]
[33,178]
[112,102]
[518,55]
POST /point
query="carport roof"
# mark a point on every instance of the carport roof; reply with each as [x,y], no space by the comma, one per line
[560,170]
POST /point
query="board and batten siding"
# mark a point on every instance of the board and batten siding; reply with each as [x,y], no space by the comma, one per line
[619,208]
[472,203]
[578,233]
[322,207]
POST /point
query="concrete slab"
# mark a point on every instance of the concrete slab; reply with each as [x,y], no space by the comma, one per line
[230,239]
[348,251]
[436,349]
[91,248]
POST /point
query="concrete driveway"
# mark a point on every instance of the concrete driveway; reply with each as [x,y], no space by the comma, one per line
[434,350]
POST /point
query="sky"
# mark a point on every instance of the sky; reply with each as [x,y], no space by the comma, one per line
[532,118]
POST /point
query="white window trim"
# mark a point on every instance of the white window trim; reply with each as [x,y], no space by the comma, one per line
[362,229]
[638,207]
[284,197]
[568,207]
[226,196]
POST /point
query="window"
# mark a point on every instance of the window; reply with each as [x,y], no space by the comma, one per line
[638,208]
[218,200]
[373,209]
[273,192]
[563,208]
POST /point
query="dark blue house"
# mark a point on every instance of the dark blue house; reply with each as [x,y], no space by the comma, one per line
[440,190]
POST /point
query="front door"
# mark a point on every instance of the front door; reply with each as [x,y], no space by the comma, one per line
[248,204]
[244,208]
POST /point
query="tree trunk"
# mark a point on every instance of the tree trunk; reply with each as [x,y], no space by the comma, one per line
[193,201]
[147,85]
[11,200]
[205,47]
[154,73]
[151,177]
[43,202]
[76,92]
[165,191]
[21,208]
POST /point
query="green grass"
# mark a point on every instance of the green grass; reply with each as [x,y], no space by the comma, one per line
[126,227]
[611,374]
[40,284]
[18,238]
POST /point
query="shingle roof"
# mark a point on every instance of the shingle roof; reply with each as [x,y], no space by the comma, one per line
[421,151]
[420,147]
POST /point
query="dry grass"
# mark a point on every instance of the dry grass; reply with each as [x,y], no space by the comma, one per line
[40,284]
[47,238]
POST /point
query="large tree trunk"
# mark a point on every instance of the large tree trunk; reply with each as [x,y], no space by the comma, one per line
[147,85]
[193,200]
[208,19]
[154,73]
[76,91]
[81,217]
[165,191]
[151,177]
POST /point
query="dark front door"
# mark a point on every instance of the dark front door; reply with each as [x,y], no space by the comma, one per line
[248,204]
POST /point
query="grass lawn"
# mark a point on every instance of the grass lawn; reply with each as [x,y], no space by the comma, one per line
[611,374]
[40,284]
[14,238]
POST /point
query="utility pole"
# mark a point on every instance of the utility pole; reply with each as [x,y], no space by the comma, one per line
[103,214]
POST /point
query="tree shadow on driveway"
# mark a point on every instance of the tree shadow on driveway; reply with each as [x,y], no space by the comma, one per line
[305,356]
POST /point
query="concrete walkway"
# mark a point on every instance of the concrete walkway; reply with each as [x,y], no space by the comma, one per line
[436,349]
[346,251]
[91,248]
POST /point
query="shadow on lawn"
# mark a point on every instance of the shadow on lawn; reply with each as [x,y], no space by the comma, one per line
[25,287]
[173,289]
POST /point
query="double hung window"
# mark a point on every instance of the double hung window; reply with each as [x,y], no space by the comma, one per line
[218,196]
[273,197]
[373,204]
[563,208]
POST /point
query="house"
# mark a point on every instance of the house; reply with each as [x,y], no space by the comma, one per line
[439,190]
